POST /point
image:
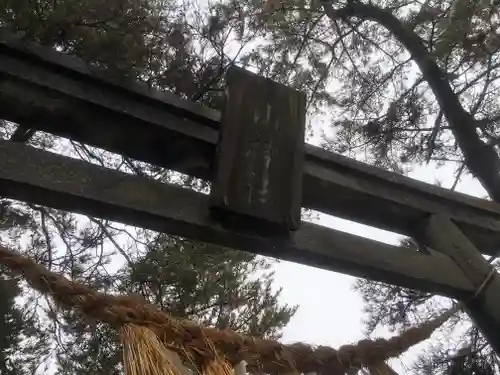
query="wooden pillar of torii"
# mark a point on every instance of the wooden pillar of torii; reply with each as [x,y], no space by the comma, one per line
[257,184]
[442,235]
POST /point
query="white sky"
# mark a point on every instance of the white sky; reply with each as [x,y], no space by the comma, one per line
[320,320]
[330,312]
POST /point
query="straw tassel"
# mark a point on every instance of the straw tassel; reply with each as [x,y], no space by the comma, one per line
[217,366]
[144,353]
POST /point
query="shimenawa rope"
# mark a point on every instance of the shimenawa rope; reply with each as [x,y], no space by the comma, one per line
[261,355]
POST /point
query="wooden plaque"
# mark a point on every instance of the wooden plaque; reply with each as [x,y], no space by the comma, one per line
[258,166]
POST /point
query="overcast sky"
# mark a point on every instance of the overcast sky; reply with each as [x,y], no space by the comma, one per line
[330,311]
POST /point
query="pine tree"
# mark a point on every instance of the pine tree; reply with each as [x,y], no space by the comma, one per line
[162,44]
[363,64]
[402,83]
[19,355]
[11,327]
[213,286]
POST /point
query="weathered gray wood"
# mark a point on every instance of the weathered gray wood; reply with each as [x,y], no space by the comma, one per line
[78,110]
[44,178]
[57,95]
[443,235]
[15,47]
[259,159]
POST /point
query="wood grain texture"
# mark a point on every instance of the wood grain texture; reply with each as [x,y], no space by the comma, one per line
[260,154]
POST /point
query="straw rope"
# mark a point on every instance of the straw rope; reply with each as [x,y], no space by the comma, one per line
[262,356]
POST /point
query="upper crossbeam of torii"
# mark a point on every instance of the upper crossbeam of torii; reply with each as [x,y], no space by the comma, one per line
[261,171]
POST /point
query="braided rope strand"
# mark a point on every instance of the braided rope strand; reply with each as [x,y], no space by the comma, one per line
[261,355]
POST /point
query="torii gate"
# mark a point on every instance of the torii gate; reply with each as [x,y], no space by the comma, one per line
[262,173]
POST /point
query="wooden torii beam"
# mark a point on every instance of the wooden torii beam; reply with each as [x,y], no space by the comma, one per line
[61,95]
[264,123]
[48,179]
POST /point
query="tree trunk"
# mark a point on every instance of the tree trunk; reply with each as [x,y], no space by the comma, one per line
[480,158]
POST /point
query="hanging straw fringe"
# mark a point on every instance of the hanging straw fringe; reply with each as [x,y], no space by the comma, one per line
[218,366]
[262,356]
[144,353]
